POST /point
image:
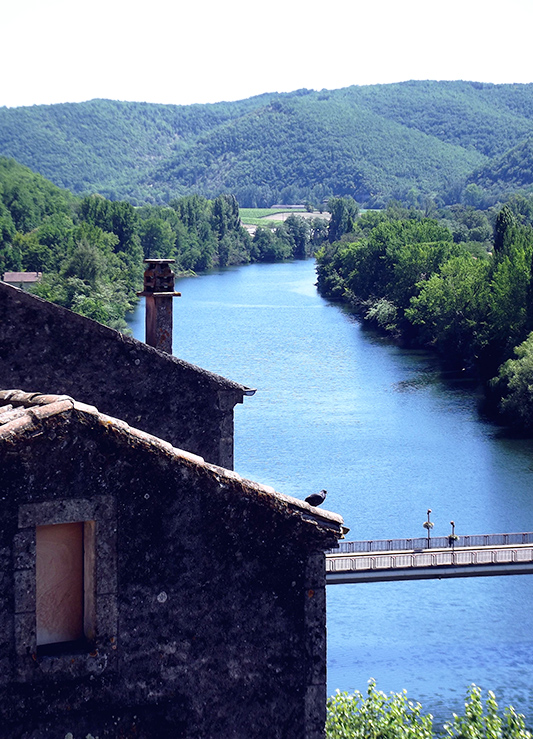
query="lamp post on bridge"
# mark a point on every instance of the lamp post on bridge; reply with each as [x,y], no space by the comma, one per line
[428,525]
[452,539]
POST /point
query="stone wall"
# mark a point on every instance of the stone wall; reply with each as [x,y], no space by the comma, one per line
[48,349]
[210,590]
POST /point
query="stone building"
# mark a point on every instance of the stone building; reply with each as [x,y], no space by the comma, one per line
[146,592]
[48,349]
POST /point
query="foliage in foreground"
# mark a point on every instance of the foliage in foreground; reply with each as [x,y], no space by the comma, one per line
[381,716]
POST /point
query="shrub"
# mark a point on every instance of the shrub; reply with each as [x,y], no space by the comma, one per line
[378,716]
[477,724]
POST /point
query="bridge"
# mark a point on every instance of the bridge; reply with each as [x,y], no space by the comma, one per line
[430,558]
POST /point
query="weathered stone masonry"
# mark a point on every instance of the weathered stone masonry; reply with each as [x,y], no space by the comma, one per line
[209,589]
[48,349]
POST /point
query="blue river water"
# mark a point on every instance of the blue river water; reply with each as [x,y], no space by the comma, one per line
[389,436]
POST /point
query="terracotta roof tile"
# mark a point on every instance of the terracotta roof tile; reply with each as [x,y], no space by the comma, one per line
[9,414]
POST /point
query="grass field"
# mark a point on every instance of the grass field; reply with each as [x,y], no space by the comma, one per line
[259,216]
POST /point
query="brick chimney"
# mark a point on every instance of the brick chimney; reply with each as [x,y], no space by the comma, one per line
[159,291]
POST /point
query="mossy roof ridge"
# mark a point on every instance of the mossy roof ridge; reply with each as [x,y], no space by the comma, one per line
[24,415]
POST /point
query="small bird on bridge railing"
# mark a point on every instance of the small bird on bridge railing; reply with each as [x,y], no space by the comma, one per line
[316,498]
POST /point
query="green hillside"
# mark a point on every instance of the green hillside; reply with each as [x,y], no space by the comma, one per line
[408,141]
[306,148]
[102,145]
[510,172]
[29,197]
[489,119]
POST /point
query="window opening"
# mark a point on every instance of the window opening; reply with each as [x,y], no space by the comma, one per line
[65,603]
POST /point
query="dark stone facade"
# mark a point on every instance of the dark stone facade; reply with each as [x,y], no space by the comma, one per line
[209,589]
[48,349]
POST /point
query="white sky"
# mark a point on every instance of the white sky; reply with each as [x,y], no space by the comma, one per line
[200,51]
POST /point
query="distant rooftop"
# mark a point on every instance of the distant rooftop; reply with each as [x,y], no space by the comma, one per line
[16,277]
[288,207]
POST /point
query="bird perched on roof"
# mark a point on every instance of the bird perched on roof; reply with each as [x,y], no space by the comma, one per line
[316,498]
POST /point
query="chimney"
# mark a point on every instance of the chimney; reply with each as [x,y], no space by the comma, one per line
[159,291]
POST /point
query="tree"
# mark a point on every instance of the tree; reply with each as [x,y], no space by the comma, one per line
[373,266]
[270,247]
[96,210]
[56,232]
[35,257]
[225,215]
[450,311]
[414,264]
[299,232]
[522,208]
[10,259]
[504,221]
[511,291]
[319,232]
[474,196]
[119,218]
[86,262]
[124,224]
[515,385]
[344,212]
[157,238]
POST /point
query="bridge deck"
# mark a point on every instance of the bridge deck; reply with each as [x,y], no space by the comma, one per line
[385,560]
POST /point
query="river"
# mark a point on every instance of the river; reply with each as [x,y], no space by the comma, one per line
[389,436]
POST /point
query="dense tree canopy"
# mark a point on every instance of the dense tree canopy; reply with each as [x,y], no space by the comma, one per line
[91,249]
[408,275]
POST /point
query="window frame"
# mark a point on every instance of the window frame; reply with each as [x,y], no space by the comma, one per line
[83,610]
[99,516]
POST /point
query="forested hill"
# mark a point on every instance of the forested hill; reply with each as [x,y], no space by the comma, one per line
[406,141]
[512,171]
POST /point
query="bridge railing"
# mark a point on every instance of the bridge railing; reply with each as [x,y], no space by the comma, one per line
[435,542]
[338,563]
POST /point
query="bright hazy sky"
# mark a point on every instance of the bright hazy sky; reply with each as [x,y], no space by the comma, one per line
[201,51]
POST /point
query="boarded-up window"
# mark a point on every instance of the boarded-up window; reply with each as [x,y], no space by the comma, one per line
[64,582]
